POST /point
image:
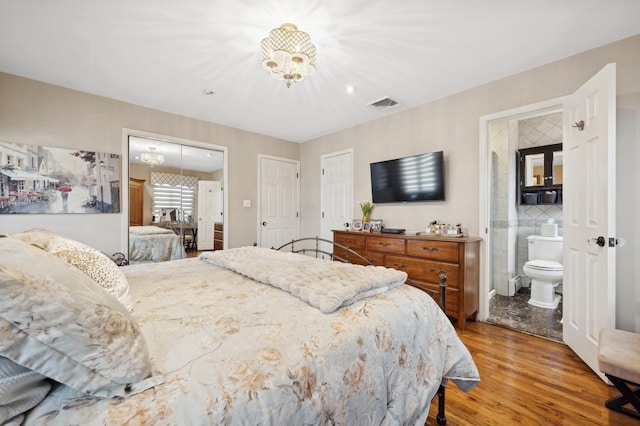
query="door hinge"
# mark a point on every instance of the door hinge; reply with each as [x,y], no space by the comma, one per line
[297,214]
[323,215]
[297,175]
[322,172]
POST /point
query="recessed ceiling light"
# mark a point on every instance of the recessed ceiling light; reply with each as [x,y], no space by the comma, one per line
[350,89]
[208,92]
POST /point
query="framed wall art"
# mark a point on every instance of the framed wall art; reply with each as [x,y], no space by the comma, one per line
[40,179]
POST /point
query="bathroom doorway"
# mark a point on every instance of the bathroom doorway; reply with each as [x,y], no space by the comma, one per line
[513,215]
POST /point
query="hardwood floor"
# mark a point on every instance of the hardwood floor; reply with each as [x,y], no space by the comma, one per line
[527,380]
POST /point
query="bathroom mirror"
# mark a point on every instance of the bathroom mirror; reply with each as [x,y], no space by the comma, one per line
[540,172]
[534,169]
[557,168]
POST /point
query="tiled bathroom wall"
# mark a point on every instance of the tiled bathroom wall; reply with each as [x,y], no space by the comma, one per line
[504,223]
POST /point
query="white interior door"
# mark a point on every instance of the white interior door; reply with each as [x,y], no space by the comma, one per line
[209,211]
[279,201]
[336,188]
[589,284]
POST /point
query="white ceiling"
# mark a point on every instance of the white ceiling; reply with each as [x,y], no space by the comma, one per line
[164,54]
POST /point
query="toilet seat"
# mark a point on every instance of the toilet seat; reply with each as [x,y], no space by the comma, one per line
[544,265]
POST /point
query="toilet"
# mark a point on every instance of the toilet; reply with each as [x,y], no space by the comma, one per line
[545,269]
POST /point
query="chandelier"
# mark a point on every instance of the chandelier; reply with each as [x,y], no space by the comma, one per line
[152,157]
[288,54]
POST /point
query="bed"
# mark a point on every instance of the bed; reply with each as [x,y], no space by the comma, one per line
[240,336]
[154,244]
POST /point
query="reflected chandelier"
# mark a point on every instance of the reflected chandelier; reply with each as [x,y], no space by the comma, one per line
[152,157]
[288,54]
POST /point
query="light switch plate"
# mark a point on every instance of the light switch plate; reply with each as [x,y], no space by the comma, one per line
[246,203]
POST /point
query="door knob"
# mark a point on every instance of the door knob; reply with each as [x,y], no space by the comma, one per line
[264,223]
[599,241]
[579,125]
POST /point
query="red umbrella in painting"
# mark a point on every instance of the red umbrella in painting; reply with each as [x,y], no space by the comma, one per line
[65,188]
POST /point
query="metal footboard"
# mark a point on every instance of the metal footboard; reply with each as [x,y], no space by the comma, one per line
[317,251]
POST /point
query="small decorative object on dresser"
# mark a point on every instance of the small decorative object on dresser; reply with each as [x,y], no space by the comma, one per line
[366,226]
[356,225]
[376,225]
[367,208]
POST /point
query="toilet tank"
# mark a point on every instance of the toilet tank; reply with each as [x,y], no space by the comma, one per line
[545,248]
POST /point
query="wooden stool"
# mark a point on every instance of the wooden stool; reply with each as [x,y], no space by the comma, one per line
[619,360]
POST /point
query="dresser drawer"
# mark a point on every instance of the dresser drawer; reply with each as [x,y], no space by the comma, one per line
[385,245]
[437,250]
[424,270]
[374,258]
[354,242]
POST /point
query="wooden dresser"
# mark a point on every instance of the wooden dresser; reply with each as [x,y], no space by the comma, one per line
[136,202]
[422,258]
[218,236]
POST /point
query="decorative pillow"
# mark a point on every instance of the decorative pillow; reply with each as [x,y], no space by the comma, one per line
[21,389]
[37,237]
[57,321]
[95,265]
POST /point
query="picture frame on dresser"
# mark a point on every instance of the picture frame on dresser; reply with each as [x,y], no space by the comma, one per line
[356,225]
[376,225]
[366,227]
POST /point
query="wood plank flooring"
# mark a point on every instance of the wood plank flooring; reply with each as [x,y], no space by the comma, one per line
[527,380]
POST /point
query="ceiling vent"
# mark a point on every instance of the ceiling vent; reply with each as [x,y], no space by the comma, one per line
[383,104]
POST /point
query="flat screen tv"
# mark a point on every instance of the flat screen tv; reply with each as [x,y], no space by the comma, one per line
[414,178]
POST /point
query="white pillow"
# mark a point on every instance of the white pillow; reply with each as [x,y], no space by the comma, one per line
[90,261]
[57,321]
[95,265]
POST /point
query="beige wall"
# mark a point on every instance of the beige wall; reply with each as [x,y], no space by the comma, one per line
[452,124]
[36,113]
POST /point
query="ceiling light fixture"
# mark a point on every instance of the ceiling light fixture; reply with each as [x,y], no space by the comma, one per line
[152,157]
[288,54]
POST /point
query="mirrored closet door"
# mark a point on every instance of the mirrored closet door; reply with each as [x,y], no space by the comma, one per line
[176,207]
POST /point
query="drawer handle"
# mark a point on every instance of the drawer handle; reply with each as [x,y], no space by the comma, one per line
[430,248]
[349,240]
[384,244]
[399,266]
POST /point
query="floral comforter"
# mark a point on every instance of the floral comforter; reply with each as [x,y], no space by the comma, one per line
[229,350]
[154,244]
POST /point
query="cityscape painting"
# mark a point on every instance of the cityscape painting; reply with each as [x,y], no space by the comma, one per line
[39,179]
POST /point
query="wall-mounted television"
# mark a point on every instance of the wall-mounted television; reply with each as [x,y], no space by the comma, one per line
[414,178]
